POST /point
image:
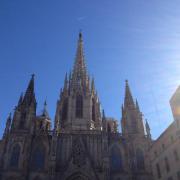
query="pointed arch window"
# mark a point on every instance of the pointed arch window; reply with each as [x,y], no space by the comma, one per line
[116,159]
[79,106]
[38,158]
[15,154]
[140,159]
[167,164]
[22,121]
[65,109]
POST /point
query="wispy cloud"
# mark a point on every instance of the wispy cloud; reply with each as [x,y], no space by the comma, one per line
[81,18]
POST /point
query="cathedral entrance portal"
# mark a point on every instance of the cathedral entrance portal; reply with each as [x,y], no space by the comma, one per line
[77,177]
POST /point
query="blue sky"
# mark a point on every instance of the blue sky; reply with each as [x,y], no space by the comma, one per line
[136,40]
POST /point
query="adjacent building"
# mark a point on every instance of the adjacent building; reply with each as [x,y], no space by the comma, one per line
[165,151]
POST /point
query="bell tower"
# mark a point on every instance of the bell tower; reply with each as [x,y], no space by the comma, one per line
[25,111]
[78,107]
[132,118]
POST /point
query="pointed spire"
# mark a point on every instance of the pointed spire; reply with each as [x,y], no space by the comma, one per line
[66,82]
[20,99]
[30,95]
[8,124]
[92,86]
[103,120]
[148,130]
[45,112]
[137,106]
[70,76]
[103,114]
[88,84]
[128,101]
[147,125]
[79,75]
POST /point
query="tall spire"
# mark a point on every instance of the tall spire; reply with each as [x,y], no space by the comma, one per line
[128,101]
[79,75]
[30,95]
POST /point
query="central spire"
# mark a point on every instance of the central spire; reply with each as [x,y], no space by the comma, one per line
[128,101]
[79,74]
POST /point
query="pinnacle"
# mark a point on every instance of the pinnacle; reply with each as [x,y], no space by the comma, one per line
[30,95]
[9,117]
[137,106]
[20,99]
[128,101]
[45,112]
[80,35]
[147,124]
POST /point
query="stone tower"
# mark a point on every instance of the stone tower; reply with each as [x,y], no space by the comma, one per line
[78,107]
[25,111]
[132,119]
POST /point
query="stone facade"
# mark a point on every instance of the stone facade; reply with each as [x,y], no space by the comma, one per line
[165,151]
[84,144]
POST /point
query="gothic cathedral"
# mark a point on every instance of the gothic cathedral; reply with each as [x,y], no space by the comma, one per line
[84,144]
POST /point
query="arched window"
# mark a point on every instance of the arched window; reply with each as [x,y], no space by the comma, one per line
[116,159]
[22,121]
[167,164]
[140,159]
[79,106]
[93,110]
[134,126]
[15,154]
[38,158]
[65,109]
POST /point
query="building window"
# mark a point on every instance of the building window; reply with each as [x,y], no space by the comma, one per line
[178,175]
[158,171]
[172,139]
[116,159]
[167,164]
[14,160]
[176,155]
[79,106]
[140,159]
[163,146]
[155,154]
[38,158]
[65,109]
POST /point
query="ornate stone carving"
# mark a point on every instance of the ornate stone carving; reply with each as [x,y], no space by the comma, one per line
[79,158]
